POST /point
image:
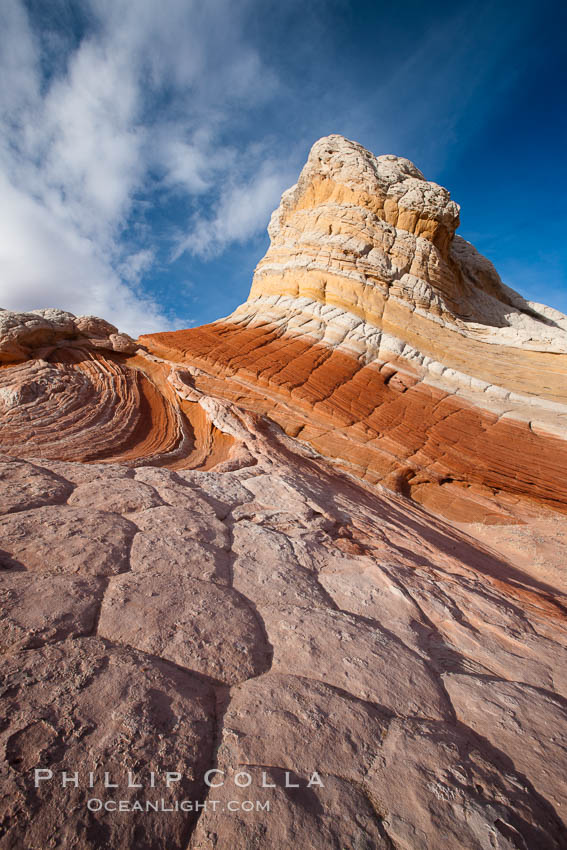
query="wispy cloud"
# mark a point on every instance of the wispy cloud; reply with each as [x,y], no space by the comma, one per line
[242,209]
[141,140]
[142,89]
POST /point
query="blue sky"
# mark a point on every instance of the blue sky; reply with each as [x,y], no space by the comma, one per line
[143,145]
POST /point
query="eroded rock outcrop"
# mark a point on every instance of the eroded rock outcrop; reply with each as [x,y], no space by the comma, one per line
[384,340]
[200,570]
[272,621]
[24,333]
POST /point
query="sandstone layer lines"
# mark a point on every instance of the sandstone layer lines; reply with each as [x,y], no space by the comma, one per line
[394,588]
[379,421]
[324,534]
[381,338]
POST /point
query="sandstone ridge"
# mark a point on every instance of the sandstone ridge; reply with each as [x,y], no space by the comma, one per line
[365,295]
[324,534]
[379,226]
[39,331]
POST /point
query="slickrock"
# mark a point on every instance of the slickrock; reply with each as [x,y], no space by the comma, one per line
[355,656]
[266,569]
[187,522]
[69,540]
[39,609]
[345,733]
[530,727]
[313,817]
[308,561]
[151,554]
[196,624]
[320,630]
[384,340]
[446,787]
[82,704]
[126,496]
[25,486]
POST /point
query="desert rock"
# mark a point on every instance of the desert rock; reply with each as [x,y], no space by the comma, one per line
[314,550]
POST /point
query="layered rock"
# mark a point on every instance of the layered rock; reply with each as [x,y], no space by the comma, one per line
[89,398]
[372,332]
[386,342]
[201,572]
[277,623]
[40,330]
[373,236]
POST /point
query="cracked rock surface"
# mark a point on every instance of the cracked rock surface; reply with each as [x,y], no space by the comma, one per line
[295,579]
[282,624]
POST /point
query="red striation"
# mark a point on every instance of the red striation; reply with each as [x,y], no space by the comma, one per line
[85,405]
[323,537]
[380,422]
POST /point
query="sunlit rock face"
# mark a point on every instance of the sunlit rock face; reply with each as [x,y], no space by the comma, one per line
[318,546]
[372,235]
[385,341]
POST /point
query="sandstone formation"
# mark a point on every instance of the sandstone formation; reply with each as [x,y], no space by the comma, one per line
[313,553]
[40,330]
[385,341]
[289,621]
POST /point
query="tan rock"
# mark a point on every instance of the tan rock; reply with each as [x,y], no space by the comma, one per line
[45,608]
[82,473]
[197,625]
[20,332]
[174,553]
[223,490]
[23,486]
[529,725]
[266,570]
[126,496]
[364,660]
[174,490]
[358,585]
[62,539]
[185,523]
[444,787]
[86,706]
[318,728]
[338,814]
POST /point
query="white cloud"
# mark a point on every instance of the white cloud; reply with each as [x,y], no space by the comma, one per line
[43,262]
[149,104]
[192,162]
[146,99]
[243,209]
[148,88]
[135,265]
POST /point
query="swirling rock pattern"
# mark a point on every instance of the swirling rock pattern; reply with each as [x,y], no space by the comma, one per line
[199,569]
[384,340]
[270,621]
[82,405]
